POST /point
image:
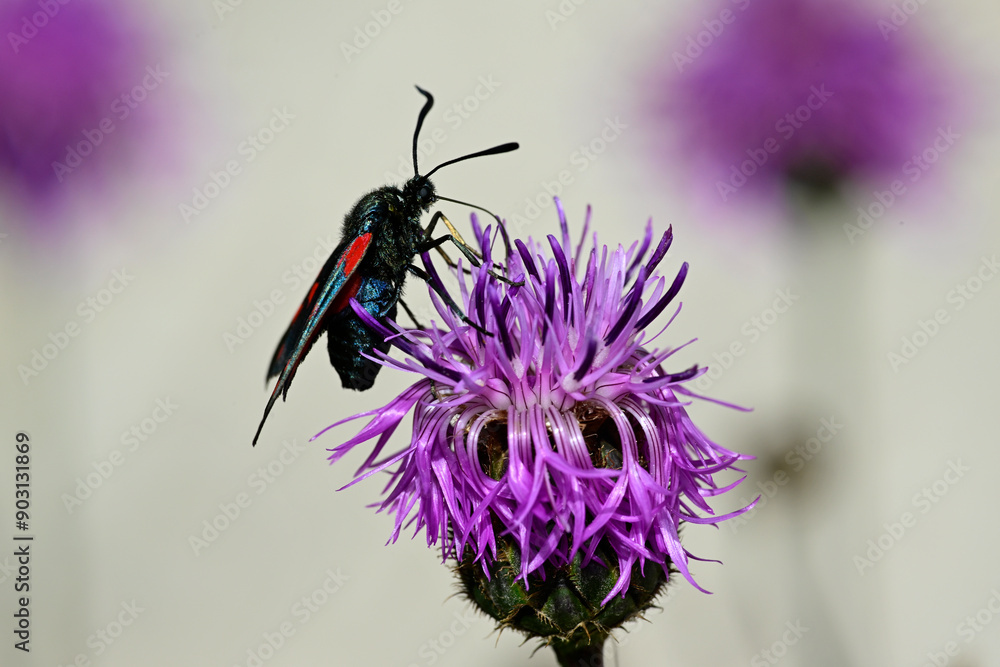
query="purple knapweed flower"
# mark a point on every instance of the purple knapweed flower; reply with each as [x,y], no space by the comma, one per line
[768,93]
[556,451]
[74,78]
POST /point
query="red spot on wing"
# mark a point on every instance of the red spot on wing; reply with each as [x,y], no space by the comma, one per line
[312,292]
[349,262]
[347,292]
[354,253]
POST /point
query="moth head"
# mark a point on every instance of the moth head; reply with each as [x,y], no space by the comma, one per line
[419,193]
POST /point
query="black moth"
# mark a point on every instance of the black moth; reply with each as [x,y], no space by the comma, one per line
[381,236]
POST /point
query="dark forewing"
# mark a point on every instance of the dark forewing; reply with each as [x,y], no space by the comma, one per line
[307,323]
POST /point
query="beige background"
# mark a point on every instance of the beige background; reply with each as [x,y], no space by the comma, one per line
[163,338]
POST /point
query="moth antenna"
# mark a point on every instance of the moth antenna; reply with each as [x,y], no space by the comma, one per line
[496,150]
[420,123]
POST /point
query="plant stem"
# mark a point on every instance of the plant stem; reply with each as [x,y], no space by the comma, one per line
[590,655]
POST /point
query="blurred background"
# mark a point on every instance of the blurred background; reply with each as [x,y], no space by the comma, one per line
[174,175]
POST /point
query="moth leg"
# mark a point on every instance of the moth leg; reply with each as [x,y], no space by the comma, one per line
[431,244]
[453,236]
[450,262]
[462,243]
[501,227]
[412,316]
[450,302]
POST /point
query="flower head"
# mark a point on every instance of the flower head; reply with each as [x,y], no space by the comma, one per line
[801,91]
[71,86]
[560,436]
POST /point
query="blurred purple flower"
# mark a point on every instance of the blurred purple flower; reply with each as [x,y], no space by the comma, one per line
[561,432]
[73,76]
[804,91]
